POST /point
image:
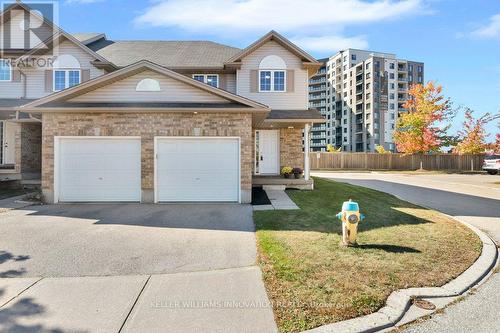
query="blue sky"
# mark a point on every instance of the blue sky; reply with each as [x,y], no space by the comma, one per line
[459,40]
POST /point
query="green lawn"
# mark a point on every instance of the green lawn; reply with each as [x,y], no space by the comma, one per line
[7,193]
[312,280]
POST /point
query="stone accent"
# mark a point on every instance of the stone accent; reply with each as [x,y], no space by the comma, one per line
[291,147]
[31,148]
[147,126]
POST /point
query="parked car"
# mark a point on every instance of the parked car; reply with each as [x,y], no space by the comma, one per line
[491,164]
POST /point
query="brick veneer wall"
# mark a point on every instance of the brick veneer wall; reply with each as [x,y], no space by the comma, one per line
[31,148]
[291,147]
[147,126]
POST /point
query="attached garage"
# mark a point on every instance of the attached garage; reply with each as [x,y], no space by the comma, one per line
[97,169]
[202,169]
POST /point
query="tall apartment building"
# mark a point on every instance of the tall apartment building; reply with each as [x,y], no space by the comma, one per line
[317,100]
[365,93]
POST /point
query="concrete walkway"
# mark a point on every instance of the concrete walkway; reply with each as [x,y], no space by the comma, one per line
[232,300]
[473,200]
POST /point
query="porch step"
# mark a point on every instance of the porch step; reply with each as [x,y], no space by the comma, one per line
[31,183]
[273,187]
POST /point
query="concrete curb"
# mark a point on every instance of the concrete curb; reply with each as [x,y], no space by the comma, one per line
[400,301]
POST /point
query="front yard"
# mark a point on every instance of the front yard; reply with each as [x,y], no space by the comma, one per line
[313,281]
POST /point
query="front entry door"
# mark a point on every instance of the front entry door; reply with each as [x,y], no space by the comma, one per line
[267,152]
[8,143]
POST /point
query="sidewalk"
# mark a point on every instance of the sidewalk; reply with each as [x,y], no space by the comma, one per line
[232,300]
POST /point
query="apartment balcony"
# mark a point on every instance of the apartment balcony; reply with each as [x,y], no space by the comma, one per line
[316,97]
[317,81]
[318,137]
[318,144]
[402,78]
[317,105]
[316,88]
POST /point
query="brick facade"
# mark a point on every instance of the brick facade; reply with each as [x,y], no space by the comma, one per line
[291,147]
[147,126]
[31,148]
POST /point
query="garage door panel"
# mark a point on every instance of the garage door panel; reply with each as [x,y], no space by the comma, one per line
[99,169]
[198,169]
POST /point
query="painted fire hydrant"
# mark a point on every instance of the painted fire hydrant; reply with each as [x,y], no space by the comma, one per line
[350,218]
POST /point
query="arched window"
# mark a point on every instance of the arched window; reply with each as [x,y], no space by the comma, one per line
[148,85]
[272,74]
[67,72]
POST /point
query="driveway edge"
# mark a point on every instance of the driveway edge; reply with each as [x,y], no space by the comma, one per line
[400,301]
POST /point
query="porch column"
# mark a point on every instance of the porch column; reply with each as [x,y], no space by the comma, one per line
[307,148]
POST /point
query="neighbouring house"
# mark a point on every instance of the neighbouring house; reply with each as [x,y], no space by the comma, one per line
[161,121]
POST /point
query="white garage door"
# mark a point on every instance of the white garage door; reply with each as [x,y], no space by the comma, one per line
[99,169]
[197,169]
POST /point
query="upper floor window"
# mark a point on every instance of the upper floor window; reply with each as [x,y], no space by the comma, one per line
[210,79]
[391,65]
[66,78]
[353,57]
[5,70]
[272,81]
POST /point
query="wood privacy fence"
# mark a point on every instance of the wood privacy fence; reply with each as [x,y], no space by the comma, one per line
[375,161]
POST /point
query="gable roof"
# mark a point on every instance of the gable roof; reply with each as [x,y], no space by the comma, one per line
[102,81]
[274,36]
[171,54]
[58,32]
[89,37]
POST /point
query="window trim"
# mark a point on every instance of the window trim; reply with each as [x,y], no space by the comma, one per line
[6,61]
[205,79]
[66,77]
[272,80]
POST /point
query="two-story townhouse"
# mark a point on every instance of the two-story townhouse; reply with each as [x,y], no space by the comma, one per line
[176,121]
[55,61]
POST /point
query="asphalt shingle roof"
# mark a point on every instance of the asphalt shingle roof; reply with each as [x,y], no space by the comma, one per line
[82,37]
[191,54]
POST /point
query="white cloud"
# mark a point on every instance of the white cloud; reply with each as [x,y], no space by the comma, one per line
[491,30]
[332,43]
[314,21]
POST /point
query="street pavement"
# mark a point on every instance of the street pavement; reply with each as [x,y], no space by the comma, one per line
[471,198]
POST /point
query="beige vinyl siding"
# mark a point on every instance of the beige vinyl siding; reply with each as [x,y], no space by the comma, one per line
[231,83]
[35,76]
[172,91]
[11,89]
[17,34]
[296,100]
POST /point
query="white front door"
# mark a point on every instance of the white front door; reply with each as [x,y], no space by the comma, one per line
[8,143]
[197,169]
[267,152]
[98,169]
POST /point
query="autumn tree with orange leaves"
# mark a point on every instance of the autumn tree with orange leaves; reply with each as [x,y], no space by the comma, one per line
[472,137]
[417,131]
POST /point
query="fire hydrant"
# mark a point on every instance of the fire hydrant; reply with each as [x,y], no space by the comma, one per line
[350,218]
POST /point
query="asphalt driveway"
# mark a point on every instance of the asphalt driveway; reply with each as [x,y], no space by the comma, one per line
[131,268]
[101,239]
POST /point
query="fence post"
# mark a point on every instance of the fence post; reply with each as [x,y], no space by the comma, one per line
[342,160]
[471,164]
[366,160]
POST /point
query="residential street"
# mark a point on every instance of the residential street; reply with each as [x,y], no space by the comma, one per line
[472,198]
